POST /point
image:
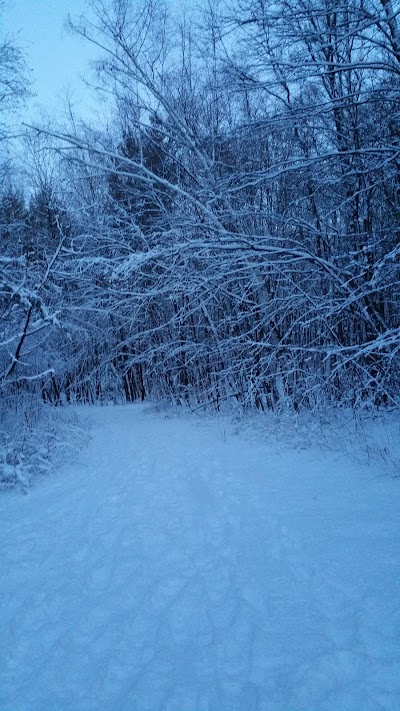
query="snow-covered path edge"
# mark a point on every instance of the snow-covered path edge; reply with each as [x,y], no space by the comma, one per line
[178,568]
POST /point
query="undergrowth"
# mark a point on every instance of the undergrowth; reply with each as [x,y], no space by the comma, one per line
[35,440]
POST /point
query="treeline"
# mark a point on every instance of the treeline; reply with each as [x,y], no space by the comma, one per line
[234,232]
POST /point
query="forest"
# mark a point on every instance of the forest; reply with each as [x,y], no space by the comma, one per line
[228,237]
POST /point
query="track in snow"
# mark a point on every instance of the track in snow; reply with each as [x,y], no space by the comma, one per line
[178,570]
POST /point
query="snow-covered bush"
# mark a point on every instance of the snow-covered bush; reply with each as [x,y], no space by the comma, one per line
[35,439]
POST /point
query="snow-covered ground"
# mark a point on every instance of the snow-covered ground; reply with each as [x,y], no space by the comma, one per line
[178,567]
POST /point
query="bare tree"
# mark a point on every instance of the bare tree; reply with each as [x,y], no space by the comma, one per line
[246,244]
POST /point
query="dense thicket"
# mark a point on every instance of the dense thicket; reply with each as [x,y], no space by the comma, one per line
[235,231]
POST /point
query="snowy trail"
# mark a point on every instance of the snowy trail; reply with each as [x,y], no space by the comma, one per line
[176,569]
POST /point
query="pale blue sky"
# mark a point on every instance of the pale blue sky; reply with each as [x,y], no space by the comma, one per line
[55,57]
